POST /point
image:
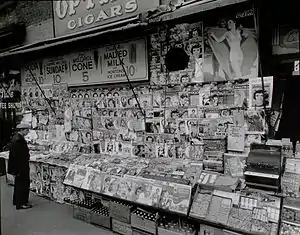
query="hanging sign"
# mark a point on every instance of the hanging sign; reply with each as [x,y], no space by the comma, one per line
[36,68]
[103,66]
[83,68]
[56,70]
[132,54]
[77,15]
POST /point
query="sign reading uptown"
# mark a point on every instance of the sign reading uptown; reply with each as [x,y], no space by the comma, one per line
[72,16]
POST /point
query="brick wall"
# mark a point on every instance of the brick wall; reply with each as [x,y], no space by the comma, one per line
[36,15]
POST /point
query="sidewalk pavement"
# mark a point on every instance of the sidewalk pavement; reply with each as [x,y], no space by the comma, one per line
[45,218]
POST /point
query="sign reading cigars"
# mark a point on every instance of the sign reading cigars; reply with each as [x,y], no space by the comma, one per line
[92,67]
[72,16]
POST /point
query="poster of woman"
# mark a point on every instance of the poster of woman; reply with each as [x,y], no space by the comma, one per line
[231,49]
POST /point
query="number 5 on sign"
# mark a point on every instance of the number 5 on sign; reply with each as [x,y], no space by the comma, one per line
[85,76]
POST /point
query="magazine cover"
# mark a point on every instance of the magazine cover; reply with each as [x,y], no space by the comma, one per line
[236,138]
[219,209]
[93,180]
[79,176]
[70,176]
[200,205]
[241,94]
[146,191]
[255,122]
[234,164]
[111,185]
[175,197]
[260,96]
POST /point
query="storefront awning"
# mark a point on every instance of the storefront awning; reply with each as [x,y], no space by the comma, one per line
[193,8]
[68,39]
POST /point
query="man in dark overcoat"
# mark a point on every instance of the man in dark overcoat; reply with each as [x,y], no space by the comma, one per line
[18,165]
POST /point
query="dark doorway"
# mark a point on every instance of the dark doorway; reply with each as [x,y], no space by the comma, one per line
[290,122]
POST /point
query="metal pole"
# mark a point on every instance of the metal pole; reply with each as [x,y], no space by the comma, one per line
[43,93]
[128,80]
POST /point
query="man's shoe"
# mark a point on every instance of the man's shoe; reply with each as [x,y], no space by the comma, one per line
[23,207]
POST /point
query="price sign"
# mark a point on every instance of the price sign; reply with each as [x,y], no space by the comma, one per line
[132,54]
[34,68]
[83,68]
[56,70]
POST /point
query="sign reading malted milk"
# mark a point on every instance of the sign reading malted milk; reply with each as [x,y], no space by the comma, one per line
[72,16]
[133,56]
[104,65]
[57,70]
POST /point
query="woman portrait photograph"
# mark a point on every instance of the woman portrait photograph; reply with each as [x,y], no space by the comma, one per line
[231,49]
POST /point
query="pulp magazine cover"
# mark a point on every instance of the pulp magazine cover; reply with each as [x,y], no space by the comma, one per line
[175,197]
[146,191]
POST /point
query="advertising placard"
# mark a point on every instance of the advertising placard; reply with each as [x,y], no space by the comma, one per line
[132,54]
[57,70]
[83,68]
[36,68]
[103,66]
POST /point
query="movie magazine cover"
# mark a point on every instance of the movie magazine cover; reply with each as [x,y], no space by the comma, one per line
[260,96]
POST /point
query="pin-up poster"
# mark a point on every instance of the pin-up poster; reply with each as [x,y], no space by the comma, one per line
[231,49]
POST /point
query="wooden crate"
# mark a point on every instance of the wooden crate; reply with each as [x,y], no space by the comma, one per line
[120,211]
[163,231]
[143,224]
[139,232]
[81,213]
[121,227]
[100,220]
